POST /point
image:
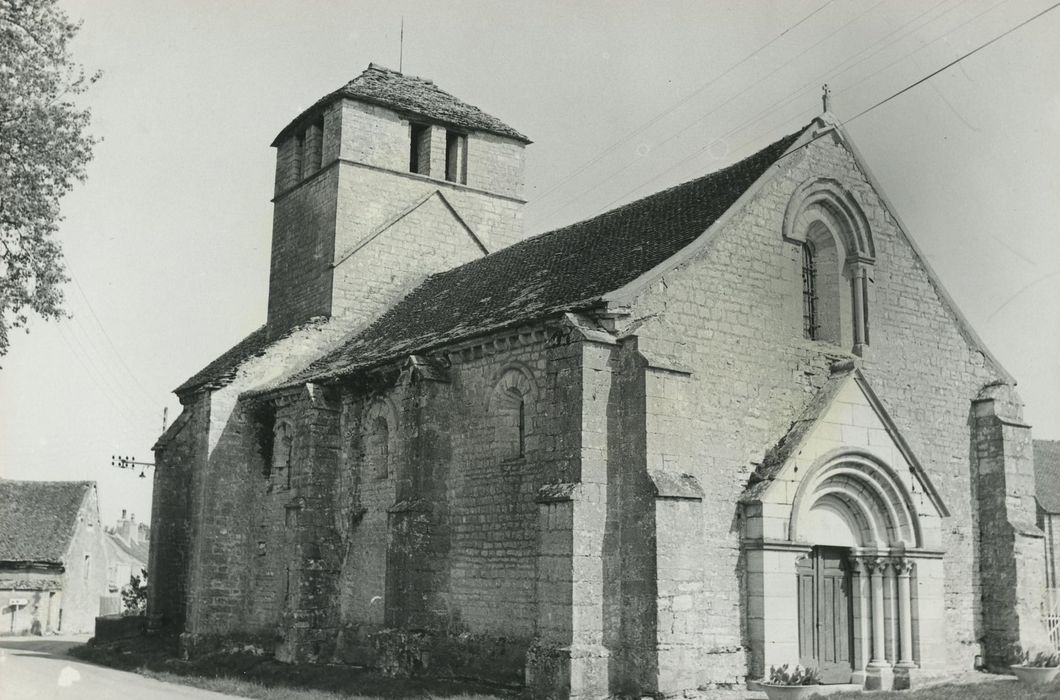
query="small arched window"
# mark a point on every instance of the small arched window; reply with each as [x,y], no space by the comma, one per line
[509,409]
[511,412]
[810,325]
[377,448]
[283,452]
[519,427]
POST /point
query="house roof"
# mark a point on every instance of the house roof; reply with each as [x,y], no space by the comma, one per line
[567,269]
[412,95]
[38,518]
[1047,474]
[127,551]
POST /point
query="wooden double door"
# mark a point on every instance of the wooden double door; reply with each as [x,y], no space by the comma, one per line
[826,632]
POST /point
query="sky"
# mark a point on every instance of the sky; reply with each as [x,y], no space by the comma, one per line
[168,240]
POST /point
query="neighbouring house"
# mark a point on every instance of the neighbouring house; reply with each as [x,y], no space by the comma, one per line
[1047,494]
[126,546]
[735,423]
[53,566]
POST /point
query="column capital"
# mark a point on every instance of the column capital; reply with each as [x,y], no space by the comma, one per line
[875,563]
[903,566]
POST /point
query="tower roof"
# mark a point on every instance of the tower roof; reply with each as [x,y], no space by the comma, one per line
[411,95]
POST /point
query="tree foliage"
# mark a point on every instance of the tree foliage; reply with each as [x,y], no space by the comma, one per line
[44,148]
[134,594]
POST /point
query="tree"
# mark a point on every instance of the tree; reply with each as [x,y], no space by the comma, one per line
[44,148]
[134,594]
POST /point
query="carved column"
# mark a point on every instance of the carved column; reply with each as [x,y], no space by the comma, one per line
[859,280]
[904,568]
[879,673]
[860,566]
[879,650]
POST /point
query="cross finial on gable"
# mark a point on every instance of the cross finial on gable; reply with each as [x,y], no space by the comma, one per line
[826,97]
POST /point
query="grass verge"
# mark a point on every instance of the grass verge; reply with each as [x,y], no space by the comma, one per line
[1007,689]
[253,676]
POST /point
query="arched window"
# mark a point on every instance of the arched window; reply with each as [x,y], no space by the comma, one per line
[510,421]
[509,411]
[282,452]
[809,292]
[377,448]
[376,432]
[836,255]
[517,415]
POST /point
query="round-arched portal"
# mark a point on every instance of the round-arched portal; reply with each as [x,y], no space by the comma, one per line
[831,522]
[848,561]
[863,495]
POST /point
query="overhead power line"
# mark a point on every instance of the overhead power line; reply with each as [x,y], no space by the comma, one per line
[747,88]
[113,346]
[954,62]
[826,76]
[655,119]
[873,107]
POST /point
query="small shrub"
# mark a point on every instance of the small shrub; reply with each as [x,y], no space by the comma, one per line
[796,676]
[1027,657]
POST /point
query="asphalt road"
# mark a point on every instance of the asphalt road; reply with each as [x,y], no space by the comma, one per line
[38,669]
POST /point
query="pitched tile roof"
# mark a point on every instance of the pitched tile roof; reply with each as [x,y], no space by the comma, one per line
[222,370]
[566,269]
[1047,474]
[412,95]
[37,518]
[136,551]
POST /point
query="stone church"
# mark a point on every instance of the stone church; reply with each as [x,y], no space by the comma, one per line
[735,423]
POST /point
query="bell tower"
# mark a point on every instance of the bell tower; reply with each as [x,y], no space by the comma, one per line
[379,184]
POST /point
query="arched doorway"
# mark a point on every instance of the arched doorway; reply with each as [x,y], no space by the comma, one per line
[857,516]
[842,539]
[853,546]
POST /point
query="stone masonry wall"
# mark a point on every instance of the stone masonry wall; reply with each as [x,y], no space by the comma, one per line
[446,542]
[384,268]
[495,164]
[221,487]
[42,591]
[725,316]
[380,137]
[171,521]
[303,244]
[1012,556]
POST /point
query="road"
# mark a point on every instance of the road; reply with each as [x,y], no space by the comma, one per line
[35,668]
